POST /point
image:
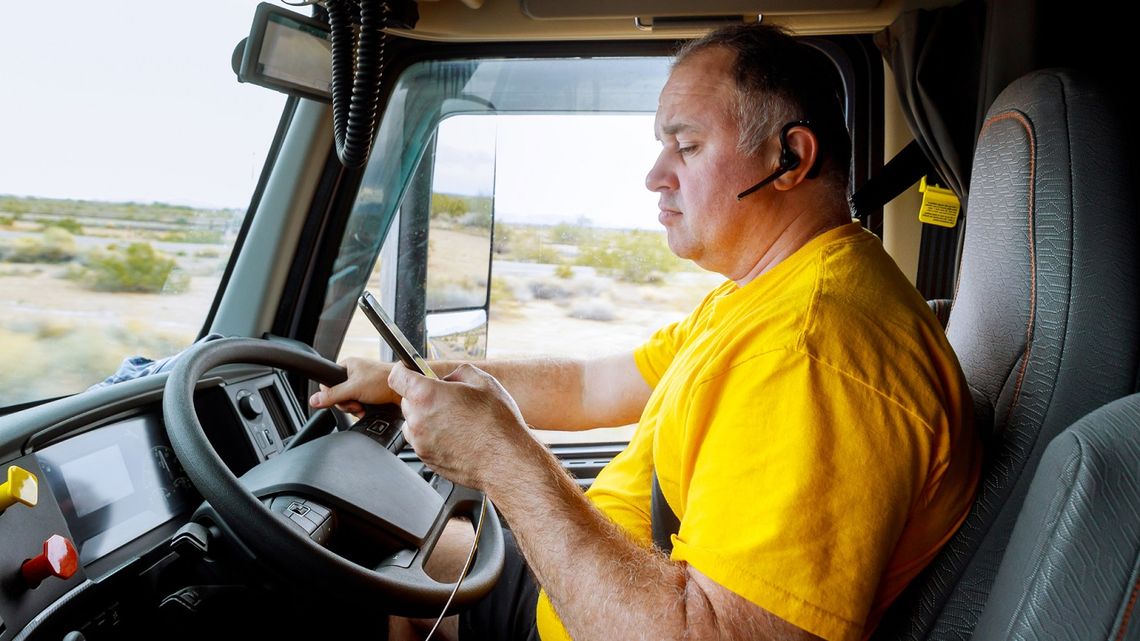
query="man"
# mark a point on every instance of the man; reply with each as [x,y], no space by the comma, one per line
[808,424]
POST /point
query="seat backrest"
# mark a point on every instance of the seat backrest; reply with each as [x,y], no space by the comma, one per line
[1045,322]
[1072,567]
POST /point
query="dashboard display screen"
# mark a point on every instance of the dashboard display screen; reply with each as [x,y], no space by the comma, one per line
[97,480]
[115,483]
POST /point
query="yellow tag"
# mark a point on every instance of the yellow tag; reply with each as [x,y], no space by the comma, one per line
[939,206]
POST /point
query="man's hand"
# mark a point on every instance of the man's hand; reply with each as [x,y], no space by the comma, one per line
[461,426]
[367,383]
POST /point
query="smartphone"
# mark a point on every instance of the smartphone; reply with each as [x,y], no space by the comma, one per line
[393,336]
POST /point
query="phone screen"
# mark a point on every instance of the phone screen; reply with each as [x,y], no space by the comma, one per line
[393,336]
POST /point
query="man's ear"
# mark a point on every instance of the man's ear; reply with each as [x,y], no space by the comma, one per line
[802,142]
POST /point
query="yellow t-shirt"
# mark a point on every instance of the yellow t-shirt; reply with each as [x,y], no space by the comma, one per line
[813,433]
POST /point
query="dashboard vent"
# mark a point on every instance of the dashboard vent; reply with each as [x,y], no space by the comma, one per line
[277,414]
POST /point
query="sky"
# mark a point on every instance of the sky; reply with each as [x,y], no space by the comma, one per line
[553,168]
[140,103]
[134,100]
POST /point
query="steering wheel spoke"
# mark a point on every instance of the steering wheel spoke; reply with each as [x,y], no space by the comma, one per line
[408,566]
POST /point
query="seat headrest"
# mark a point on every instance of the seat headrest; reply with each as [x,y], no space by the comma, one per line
[1050,212]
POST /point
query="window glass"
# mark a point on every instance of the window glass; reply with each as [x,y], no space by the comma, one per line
[581,266]
[128,156]
[555,152]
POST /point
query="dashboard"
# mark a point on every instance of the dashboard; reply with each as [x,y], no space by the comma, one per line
[95,494]
[115,483]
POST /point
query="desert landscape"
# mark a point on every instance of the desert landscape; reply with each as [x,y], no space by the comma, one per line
[76,298]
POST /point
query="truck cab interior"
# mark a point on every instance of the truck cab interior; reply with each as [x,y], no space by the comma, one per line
[478,165]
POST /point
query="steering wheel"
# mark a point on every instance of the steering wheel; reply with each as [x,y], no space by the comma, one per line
[282,509]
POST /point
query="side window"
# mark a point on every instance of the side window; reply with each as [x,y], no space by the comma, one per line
[460,237]
[580,266]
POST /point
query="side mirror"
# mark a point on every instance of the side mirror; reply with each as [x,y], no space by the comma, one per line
[460,232]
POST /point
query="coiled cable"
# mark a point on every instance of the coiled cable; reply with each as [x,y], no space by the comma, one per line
[357,68]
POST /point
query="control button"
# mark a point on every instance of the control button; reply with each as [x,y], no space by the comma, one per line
[21,487]
[251,406]
[58,559]
[377,426]
[441,485]
[403,558]
[318,509]
[308,526]
[316,519]
[299,508]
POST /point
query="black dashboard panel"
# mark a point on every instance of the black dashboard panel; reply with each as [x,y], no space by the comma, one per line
[110,483]
[23,530]
[116,483]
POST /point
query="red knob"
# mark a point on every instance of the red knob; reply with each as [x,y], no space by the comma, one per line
[58,559]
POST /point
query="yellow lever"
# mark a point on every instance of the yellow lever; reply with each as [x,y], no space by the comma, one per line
[21,486]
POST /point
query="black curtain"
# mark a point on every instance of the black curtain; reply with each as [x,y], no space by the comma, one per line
[935,56]
[951,63]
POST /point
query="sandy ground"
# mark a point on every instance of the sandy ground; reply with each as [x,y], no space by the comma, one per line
[57,337]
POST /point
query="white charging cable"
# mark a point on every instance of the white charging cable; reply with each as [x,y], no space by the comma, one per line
[466,568]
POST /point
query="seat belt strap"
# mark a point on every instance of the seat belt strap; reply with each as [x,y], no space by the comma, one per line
[662,519]
[898,175]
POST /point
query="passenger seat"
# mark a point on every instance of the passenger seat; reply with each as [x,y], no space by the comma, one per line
[1072,570]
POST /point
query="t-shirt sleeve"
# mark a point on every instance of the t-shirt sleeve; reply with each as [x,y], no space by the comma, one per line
[655,355]
[798,494]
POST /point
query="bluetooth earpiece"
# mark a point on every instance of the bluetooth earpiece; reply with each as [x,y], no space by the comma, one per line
[789,159]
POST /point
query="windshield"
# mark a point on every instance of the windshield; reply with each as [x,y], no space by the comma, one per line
[128,156]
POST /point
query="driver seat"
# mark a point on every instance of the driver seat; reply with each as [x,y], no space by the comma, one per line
[1045,320]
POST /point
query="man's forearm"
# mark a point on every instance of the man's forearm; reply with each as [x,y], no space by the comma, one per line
[548,391]
[569,394]
[603,584]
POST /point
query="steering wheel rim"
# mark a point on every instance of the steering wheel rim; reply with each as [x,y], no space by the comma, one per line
[405,589]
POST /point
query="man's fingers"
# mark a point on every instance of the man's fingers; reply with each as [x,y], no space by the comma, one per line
[351,407]
[397,379]
[406,428]
[320,399]
[328,396]
[466,373]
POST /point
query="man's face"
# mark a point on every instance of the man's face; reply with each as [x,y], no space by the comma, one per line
[700,170]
